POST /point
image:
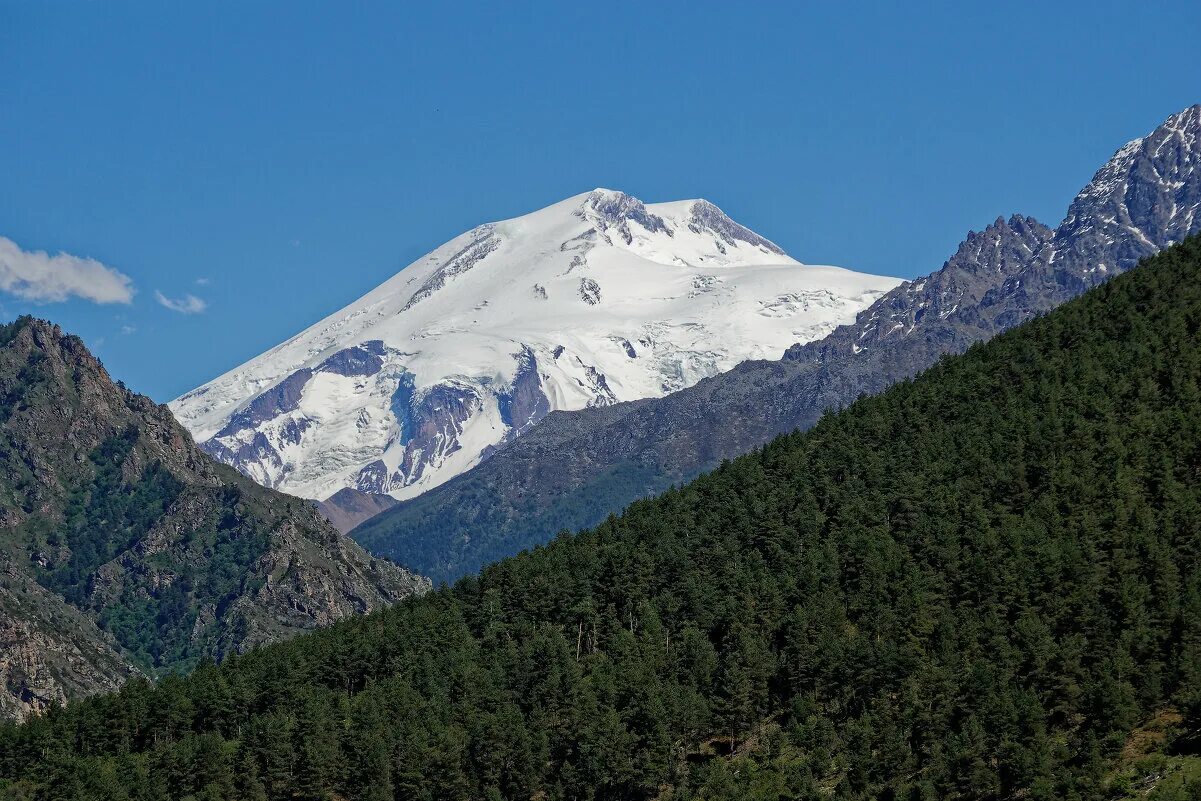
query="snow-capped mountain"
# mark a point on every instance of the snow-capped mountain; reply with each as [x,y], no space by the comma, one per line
[596,299]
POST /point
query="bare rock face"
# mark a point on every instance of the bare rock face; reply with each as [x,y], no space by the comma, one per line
[281,398]
[124,549]
[574,468]
[483,242]
[365,359]
[1145,197]
[436,418]
[707,217]
[944,312]
[612,212]
[50,652]
[525,402]
[590,291]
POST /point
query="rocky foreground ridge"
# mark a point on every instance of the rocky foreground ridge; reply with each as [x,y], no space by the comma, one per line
[126,550]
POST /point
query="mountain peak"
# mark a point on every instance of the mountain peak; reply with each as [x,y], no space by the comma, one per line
[596,299]
[33,328]
[609,208]
[1145,197]
[1002,247]
[551,478]
[612,208]
[66,367]
[1188,119]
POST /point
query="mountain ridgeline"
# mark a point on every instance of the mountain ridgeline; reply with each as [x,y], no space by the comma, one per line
[984,583]
[574,468]
[126,550]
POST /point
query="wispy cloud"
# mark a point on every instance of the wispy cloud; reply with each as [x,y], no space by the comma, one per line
[188,304]
[128,329]
[36,275]
[202,282]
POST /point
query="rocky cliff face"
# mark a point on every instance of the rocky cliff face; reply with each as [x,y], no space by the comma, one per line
[574,468]
[984,261]
[1146,196]
[125,549]
[50,651]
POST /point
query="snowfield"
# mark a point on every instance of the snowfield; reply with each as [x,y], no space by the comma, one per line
[594,300]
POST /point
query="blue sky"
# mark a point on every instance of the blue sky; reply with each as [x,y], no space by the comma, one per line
[275,160]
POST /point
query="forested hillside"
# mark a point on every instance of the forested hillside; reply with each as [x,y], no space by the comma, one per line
[124,549]
[983,583]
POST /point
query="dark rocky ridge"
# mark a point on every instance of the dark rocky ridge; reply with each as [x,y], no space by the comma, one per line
[437,418]
[125,549]
[365,359]
[483,242]
[613,211]
[283,397]
[706,216]
[574,468]
[524,403]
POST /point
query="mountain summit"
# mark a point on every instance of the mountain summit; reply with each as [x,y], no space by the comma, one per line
[596,299]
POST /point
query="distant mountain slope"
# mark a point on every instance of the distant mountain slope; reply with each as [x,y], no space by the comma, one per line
[125,549]
[980,585]
[575,468]
[591,301]
[349,507]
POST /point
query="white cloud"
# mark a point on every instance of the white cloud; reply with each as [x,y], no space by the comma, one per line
[202,282]
[36,275]
[188,304]
[128,329]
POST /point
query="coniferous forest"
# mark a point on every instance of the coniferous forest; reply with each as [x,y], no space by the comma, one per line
[984,583]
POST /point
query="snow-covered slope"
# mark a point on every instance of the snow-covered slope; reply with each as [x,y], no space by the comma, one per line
[594,300]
